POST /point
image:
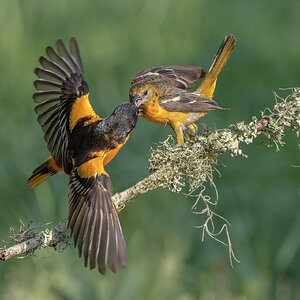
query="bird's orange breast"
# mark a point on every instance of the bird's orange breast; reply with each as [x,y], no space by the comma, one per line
[153,112]
[113,152]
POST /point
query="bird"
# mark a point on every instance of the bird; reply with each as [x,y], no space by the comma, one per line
[81,143]
[162,96]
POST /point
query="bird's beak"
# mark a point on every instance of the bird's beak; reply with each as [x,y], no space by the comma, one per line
[137,99]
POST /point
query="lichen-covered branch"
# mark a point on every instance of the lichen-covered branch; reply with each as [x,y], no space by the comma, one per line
[191,164]
[27,241]
[194,162]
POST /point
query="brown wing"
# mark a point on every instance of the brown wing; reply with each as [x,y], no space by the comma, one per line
[62,97]
[189,102]
[93,218]
[182,76]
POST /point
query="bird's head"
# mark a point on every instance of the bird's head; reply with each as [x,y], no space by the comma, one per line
[123,119]
[141,95]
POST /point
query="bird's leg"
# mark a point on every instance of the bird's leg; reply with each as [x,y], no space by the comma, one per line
[193,129]
[191,132]
[179,133]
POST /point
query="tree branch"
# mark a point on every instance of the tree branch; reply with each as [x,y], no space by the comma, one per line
[27,241]
[191,164]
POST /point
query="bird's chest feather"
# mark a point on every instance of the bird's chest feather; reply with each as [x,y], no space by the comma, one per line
[92,138]
[152,112]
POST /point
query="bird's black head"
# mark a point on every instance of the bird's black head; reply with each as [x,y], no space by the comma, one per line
[124,117]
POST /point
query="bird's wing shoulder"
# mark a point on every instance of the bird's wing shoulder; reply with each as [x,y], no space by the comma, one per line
[188,102]
[62,99]
[181,76]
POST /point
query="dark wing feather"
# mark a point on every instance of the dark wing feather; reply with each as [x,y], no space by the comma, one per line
[60,84]
[182,76]
[67,57]
[94,222]
[189,102]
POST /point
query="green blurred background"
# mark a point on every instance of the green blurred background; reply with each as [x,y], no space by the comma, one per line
[166,258]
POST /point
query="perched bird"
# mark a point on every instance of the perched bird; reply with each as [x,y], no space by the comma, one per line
[81,144]
[162,97]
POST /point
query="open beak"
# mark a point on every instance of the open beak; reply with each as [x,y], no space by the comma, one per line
[137,99]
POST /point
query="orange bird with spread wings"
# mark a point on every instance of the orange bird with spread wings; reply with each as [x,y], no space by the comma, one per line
[81,144]
[161,93]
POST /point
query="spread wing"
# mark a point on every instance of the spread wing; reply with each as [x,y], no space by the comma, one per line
[181,76]
[93,218]
[62,98]
[189,102]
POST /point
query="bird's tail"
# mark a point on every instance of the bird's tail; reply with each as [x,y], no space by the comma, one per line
[208,84]
[43,172]
[94,221]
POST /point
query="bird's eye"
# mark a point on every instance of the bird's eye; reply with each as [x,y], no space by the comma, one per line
[145,92]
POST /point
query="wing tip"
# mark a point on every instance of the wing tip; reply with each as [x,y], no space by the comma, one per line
[35,84]
[73,40]
[36,71]
[225,108]
[59,42]
[41,59]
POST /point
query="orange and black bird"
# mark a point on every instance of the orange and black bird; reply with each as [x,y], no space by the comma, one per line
[162,97]
[81,144]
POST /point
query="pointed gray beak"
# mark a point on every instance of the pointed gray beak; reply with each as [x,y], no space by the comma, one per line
[137,99]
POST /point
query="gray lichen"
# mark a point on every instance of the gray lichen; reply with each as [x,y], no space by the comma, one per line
[193,162]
